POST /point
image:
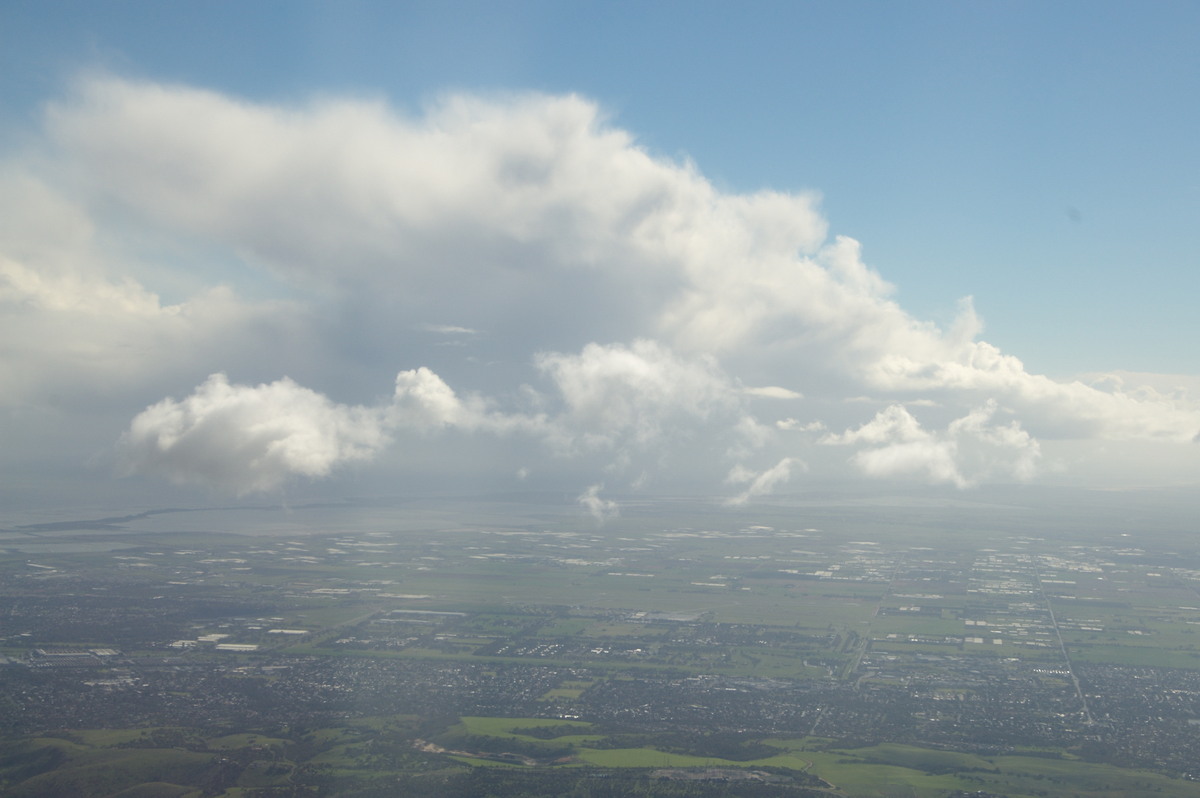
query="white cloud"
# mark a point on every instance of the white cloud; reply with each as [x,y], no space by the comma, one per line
[448,329]
[773,392]
[970,450]
[82,328]
[627,302]
[620,396]
[761,484]
[895,424]
[67,330]
[931,460]
[601,509]
[791,424]
[424,402]
[423,399]
[244,439]
[626,403]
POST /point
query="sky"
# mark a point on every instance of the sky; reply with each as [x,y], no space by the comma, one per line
[288,249]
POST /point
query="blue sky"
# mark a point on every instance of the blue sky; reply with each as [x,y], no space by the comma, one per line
[1042,158]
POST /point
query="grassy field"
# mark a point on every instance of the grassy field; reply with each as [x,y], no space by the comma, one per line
[883,771]
[87,772]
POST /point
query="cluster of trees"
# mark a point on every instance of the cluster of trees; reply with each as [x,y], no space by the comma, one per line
[561,783]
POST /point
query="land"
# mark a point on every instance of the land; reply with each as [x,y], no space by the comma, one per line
[834,648]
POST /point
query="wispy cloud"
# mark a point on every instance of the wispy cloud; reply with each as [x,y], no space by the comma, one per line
[447,329]
[601,509]
[761,484]
[773,392]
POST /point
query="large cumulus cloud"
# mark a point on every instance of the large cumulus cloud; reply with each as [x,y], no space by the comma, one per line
[250,438]
[971,449]
[530,272]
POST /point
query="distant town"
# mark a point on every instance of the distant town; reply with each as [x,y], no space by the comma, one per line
[685,654]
